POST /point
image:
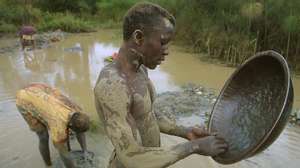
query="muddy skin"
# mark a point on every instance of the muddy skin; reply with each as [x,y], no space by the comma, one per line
[124,97]
[130,123]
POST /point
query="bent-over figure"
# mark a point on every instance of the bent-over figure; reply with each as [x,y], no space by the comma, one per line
[48,111]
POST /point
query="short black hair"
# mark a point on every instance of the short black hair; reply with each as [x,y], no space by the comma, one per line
[144,16]
[79,122]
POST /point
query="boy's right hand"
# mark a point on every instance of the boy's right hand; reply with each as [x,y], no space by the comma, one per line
[210,145]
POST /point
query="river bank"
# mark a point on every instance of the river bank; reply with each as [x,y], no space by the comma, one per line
[194,103]
[70,69]
[193,98]
[42,40]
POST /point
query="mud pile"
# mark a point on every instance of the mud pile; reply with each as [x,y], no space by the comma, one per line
[80,161]
[190,100]
[194,101]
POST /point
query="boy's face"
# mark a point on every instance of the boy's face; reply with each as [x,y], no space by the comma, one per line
[155,44]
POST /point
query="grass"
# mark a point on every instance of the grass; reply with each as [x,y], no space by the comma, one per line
[66,22]
[7,28]
[230,31]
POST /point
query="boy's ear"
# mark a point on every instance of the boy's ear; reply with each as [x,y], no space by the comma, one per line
[138,37]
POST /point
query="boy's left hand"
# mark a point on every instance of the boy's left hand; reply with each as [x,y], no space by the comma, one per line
[197,132]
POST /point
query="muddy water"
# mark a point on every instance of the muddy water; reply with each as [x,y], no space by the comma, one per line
[73,64]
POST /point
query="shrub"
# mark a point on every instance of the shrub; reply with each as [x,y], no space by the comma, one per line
[66,22]
[7,28]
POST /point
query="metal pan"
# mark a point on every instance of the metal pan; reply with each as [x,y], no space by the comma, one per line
[253,106]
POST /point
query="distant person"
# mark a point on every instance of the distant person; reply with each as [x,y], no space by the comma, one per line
[45,110]
[124,97]
[26,35]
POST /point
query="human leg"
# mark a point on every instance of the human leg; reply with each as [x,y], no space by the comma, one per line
[42,132]
[44,146]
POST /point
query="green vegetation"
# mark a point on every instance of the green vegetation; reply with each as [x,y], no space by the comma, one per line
[233,30]
[227,30]
[94,126]
[66,22]
[45,15]
[7,27]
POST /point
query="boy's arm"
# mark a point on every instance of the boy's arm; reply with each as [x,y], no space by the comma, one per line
[114,99]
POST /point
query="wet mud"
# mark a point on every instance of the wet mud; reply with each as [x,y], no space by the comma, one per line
[80,160]
[75,71]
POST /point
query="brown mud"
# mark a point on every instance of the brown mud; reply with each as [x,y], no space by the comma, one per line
[73,64]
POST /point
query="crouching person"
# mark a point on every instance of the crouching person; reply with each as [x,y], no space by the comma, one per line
[47,111]
[26,35]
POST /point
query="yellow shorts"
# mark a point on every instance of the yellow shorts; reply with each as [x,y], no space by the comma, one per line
[27,37]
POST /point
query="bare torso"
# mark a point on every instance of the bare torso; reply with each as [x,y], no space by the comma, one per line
[124,102]
[140,117]
[143,116]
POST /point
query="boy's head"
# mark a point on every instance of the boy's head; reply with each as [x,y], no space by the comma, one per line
[79,122]
[149,28]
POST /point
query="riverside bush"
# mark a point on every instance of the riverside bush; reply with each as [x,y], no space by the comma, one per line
[66,22]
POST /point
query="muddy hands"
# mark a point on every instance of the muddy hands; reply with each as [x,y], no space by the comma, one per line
[212,145]
[196,132]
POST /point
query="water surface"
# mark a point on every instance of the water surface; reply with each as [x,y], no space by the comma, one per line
[75,70]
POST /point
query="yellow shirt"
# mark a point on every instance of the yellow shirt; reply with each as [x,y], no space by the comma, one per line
[49,106]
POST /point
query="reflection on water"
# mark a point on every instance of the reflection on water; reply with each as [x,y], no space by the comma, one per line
[73,66]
